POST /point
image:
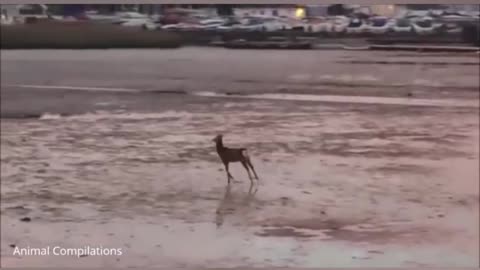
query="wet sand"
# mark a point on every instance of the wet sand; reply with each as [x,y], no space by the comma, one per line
[341,184]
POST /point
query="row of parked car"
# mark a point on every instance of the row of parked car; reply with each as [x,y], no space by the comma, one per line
[333,24]
[423,23]
[408,23]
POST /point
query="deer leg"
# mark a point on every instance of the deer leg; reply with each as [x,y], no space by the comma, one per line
[244,163]
[253,169]
[229,176]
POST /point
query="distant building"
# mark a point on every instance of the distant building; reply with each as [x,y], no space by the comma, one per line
[464,7]
[385,10]
[316,10]
[20,12]
[425,6]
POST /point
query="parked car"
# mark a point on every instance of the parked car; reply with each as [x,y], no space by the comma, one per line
[100,18]
[229,24]
[357,26]
[402,25]
[250,24]
[183,26]
[379,25]
[450,28]
[276,24]
[5,19]
[131,19]
[151,25]
[210,24]
[316,25]
[424,26]
[339,24]
[296,24]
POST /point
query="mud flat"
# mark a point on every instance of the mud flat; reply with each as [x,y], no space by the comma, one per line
[342,184]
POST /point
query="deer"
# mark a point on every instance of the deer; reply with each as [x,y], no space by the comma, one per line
[229,155]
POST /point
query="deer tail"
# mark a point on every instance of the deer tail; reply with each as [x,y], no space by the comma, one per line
[245,153]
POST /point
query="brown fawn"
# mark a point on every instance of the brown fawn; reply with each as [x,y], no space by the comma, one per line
[228,155]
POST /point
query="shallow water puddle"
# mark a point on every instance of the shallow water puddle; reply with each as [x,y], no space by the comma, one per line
[293,97]
[164,242]
[353,99]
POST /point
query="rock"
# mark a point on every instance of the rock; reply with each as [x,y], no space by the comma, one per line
[360,255]
[25,219]
[284,200]
[440,215]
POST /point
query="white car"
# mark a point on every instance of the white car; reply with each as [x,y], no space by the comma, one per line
[267,24]
[339,24]
[6,20]
[226,27]
[424,26]
[379,25]
[451,28]
[402,26]
[273,24]
[212,21]
[206,24]
[248,27]
[318,25]
[249,24]
[175,26]
[95,16]
[178,26]
[131,19]
[357,26]
[151,25]
[210,24]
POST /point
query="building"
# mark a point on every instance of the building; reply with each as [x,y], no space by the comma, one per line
[19,13]
[385,10]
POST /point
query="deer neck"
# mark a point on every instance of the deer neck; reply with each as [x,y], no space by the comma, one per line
[219,145]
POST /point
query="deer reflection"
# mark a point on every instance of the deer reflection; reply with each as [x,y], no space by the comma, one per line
[228,205]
